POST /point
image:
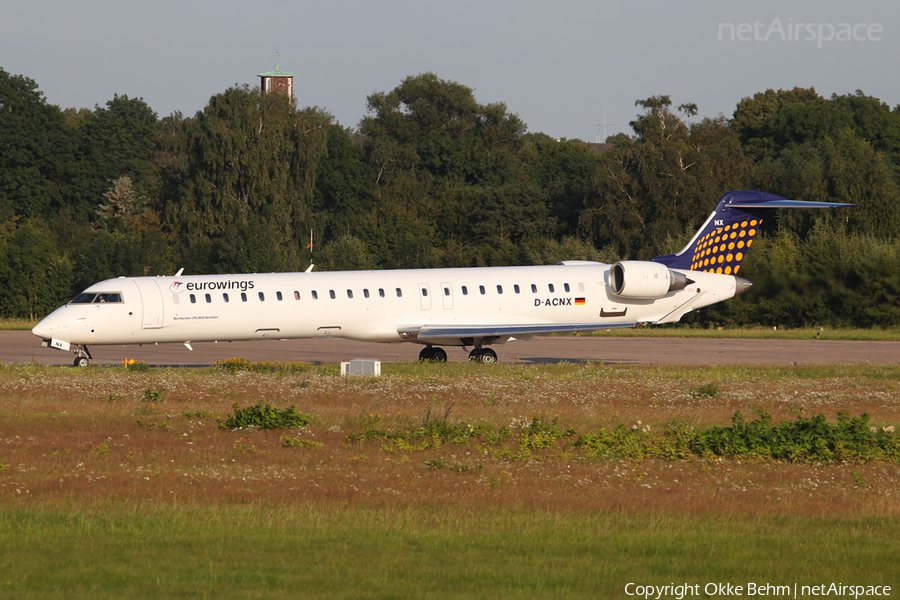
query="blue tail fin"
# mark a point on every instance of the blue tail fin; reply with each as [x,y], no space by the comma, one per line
[721,243]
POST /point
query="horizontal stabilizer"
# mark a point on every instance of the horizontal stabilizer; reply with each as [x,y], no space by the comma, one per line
[787,204]
[721,243]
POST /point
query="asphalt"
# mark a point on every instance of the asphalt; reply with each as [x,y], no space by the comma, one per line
[18,347]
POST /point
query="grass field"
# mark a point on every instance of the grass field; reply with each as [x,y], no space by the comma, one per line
[121,483]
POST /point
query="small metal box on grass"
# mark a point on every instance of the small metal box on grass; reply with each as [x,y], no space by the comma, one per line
[361,366]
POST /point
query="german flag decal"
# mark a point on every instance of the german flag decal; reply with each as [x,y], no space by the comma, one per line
[579,301]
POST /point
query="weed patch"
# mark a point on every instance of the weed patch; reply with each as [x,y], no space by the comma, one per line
[266,417]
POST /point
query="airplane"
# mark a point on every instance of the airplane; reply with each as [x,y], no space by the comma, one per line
[468,307]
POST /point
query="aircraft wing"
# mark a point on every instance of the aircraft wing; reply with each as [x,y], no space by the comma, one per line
[488,334]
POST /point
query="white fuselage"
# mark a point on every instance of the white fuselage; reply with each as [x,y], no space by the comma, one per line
[376,306]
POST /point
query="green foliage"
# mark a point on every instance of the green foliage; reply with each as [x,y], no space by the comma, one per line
[803,440]
[247,161]
[706,390]
[154,395]
[807,440]
[234,365]
[136,366]
[831,279]
[345,253]
[37,151]
[116,141]
[266,417]
[34,278]
[662,183]
[289,442]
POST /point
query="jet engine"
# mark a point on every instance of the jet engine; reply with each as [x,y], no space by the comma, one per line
[644,279]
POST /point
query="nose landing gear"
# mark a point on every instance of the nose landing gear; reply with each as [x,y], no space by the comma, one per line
[83,356]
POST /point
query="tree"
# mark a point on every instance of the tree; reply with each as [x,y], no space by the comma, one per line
[345,253]
[345,185]
[430,125]
[34,279]
[36,150]
[117,141]
[247,156]
[656,186]
[565,172]
[437,154]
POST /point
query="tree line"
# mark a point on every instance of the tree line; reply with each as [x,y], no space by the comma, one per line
[431,178]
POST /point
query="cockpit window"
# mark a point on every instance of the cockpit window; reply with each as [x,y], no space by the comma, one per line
[110,297]
[95,298]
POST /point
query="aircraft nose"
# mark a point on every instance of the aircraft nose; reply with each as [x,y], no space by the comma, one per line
[741,285]
[44,329]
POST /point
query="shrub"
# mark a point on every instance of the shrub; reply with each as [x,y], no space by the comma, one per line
[266,417]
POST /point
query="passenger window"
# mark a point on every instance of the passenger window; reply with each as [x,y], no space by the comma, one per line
[446,291]
[481,289]
[499,289]
[550,286]
[399,293]
[315,295]
[208,298]
[225,297]
[279,296]
[424,291]
[566,286]
[533,289]
[296,295]
[243,296]
[516,288]
[193,299]
[365,293]
[262,297]
[380,292]
[331,294]
[580,287]
[174,298]
[465,291]
[350,294]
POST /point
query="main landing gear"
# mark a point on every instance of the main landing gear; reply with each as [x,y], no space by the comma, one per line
[432,354]
[485,356]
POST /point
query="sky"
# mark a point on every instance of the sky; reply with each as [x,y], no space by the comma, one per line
[568,68]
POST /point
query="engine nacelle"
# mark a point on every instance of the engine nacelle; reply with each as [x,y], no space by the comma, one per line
[644,279]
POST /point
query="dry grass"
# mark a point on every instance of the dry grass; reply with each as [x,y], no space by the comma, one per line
[78,438]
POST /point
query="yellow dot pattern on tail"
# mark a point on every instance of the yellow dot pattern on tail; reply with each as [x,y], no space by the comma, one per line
[722,250]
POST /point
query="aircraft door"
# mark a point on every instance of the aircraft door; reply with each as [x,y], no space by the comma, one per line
[447,295]
[424,296]
[151,299]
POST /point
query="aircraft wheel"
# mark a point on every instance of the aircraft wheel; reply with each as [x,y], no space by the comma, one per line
[82,361]
[475,355]
[487,356]
[427,353]
[438,355]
